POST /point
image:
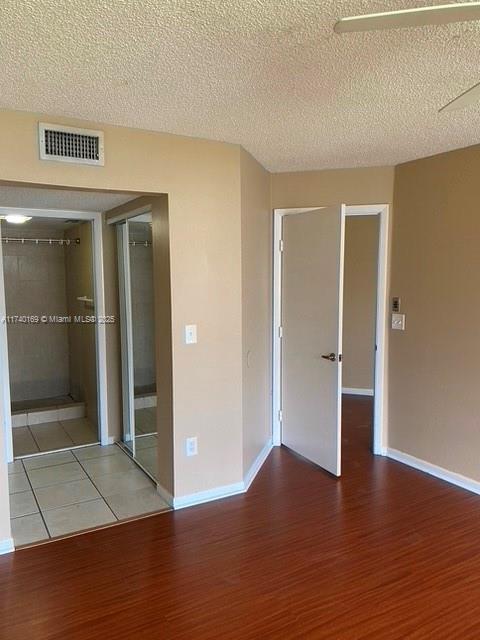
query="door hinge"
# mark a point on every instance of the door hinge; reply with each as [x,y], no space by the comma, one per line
[339,357]
[280,332]
[280,245]
[280,416]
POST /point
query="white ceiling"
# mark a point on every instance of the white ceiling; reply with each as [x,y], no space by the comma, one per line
[62,199]
[270,75]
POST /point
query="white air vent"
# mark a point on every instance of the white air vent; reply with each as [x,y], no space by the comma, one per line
[67,144]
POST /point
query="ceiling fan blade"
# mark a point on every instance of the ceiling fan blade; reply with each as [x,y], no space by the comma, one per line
[439,14]
[465,99]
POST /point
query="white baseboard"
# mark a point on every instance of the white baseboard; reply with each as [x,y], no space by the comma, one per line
[353,391]
[226,491]
[207,496]
[6,546]
[257,465]
[434,470]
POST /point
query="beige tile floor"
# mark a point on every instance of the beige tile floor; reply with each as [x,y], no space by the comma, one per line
[50,436]
[61,493]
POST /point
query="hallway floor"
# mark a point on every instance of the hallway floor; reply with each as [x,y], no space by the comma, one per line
[50,436]
[60,493]
[385,552]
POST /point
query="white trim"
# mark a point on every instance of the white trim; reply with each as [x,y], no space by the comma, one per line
[341,270]
[355,391]
[291,212]
[257,465]
[434,470]
[6,546]
[276,339]
[207,496]
[219,492]
[126,336]
[380,427]
[5,368]
[99,284]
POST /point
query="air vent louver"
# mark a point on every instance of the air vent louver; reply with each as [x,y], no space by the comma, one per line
[67,144]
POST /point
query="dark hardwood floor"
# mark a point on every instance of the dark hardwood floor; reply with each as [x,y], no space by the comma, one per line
[385,552]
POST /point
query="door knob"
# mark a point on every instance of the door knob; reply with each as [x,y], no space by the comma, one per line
[330,356]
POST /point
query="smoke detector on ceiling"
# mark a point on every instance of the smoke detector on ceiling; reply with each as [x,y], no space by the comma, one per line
[69,144]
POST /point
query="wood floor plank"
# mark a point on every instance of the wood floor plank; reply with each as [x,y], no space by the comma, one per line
[383,552]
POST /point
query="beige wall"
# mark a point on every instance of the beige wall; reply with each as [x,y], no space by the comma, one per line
[81,336]
[372,185]
[359,301]
[257,307]
[202,180]
[434,364]
[163,344]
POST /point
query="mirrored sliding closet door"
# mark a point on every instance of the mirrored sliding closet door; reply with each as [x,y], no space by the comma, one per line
[139,386]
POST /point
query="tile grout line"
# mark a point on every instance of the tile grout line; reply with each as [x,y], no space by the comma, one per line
[36,502]
[93,482]
[33,438]
[36,441]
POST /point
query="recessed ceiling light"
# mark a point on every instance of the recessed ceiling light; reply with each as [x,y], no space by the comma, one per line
[17,218]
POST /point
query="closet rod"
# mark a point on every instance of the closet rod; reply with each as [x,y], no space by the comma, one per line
[37,240]
[140,243]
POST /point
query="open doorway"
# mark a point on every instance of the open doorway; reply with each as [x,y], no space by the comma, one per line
[49,297]
[308,330]
[67,472]
[362,234]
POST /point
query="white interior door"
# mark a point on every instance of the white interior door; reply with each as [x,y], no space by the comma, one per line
[312,297]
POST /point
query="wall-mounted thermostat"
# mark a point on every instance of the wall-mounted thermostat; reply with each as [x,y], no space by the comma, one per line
[398,321]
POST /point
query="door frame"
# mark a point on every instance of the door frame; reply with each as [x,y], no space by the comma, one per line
[126,324]
[380,424]
[99,291]
[126,335]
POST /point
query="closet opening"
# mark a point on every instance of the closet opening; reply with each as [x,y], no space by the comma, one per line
[52,345]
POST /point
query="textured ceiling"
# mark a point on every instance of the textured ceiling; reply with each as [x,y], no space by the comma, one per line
[268,74]
[61,199]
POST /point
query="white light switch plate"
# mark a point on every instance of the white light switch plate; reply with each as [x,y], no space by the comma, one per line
[190,334]
[191,446]
[398,321]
